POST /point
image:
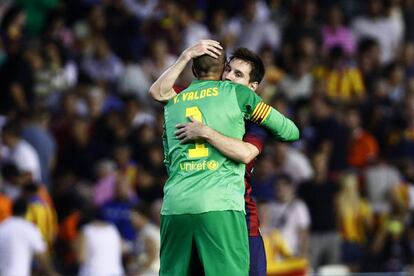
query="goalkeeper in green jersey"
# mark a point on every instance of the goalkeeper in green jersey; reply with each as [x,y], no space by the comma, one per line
[203,209]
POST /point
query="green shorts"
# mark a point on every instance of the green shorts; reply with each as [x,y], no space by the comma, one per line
[213,242]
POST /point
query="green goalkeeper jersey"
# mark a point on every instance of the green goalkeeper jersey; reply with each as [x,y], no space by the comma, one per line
[201,179]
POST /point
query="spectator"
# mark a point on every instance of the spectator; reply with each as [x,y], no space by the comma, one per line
[297,84]
[81,152]
[20,241]
[319,195]
[390,246]
[36,131]
[379,178]
[148,243]
[356,221]
[363,147]
[303,25]
[5,204]
[294,163]
[143,10]
[344,82]
[192,30]
[41,212]
[158,59]
[335,33]
[330,135]
[401,138]
[99,247]
[12,181]
[117,211]
[102,64]
[395,82]
[257,32]
[21,152]
[290,216]
[376,24]
[368,58]
[104,188]
[134,81]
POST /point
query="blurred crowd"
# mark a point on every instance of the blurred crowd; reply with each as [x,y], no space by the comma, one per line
[81,140]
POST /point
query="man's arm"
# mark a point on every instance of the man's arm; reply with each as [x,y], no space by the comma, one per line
[264,115]
[162,89]
[234,149]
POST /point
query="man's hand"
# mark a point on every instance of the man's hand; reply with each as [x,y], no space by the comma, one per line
[191,131]
[202,47]
[162,89]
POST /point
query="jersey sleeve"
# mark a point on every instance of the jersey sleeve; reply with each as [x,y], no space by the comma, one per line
[255,135]
[255,110]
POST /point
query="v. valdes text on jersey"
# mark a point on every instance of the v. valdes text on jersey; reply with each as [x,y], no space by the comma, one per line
[196,95]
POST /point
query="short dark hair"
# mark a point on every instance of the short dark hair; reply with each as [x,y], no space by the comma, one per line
[258,69]
[144,209]
[20,207]
[284,178]
[9,170]
[12,127]
[205,65]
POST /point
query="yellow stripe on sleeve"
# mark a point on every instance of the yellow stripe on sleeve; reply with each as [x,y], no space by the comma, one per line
[259,108]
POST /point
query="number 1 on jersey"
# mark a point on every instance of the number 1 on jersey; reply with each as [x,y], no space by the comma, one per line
[200,149]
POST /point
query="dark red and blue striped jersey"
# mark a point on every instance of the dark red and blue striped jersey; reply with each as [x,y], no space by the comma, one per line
[256,136]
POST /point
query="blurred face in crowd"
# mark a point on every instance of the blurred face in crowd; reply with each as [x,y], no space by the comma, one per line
[97,18]
[375,7]
[122,188]
[309,9]
[353,119]
[281,150]
[320,109]
[307,46]
[335,17]
[102,48]
[159,49]
[284,190]
[80,131]
[122,155]
[138,220]
[320,164]
[16,27]
[409,110]
[408,53]
[69,104]
[397,75]
[250,9]
[96,100]
[218,20]
[7,139]
[302,67]
[238,71]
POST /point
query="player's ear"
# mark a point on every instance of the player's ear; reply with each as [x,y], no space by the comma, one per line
[194,72]
[253,85]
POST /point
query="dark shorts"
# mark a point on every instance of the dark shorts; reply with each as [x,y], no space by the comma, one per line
[257,256]
[352,253]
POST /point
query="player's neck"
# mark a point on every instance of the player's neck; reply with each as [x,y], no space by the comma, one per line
[211,77]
